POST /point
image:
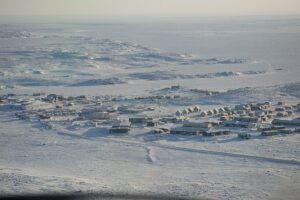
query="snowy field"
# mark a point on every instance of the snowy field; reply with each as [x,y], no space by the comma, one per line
[235,60]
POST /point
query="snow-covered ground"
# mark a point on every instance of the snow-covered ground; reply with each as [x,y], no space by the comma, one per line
[242,60]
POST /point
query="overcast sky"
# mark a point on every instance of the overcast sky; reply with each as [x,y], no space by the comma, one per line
[149,7]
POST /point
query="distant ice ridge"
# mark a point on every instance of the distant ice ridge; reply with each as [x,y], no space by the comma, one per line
[94,82]
[30,81]
[164,75]
[136,55]
[248,94]
[293,89]
[68,60]
[7,31]
[65,54]
[128,54]
[15,34]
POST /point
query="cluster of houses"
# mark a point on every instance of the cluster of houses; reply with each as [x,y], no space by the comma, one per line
[266,118]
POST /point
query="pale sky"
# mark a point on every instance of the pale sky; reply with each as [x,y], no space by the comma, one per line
[149,7]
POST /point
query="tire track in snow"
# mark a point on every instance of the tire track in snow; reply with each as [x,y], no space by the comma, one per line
[211,152]
[228,154]
[150,156]
[202,151]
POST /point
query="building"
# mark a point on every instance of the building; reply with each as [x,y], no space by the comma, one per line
[152,123]
[222,110]
[270,133]
[173,119]
[191,109]
[139,119]
[192,128]
[120,127]
[185,112]
[247,119]
[293,122]
[210,112]
[178,113]
[215,111]
[245,136]
[197,109]
[241,124]
[197,124]
[188,130]
[96,115]
[224,117]
[282,114]
[203,114]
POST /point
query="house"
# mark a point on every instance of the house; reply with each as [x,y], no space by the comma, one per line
[279,109]
[224,117]
[244,135]
[152,123]
[216,133]
[130,110]
[210,112]
[159,130]
[192,128]
[282,114]
[185,112]
[259,113]
[270,133]
[247,119]
[286,131]
[240,112]
[123,107]
[53,98]
[197,124]
[139,119]
[222,110]
[191,109]
[268,103]
[290,112]
[215,111]
[255,107]
[227,109]
[188,130]
[120,127]
[203,114]
[270,128]
[293,122]
[288,107]
[232,123]
[197,109]
[239,107]
[178,113]
[97,115]
[251,114]
[264,118]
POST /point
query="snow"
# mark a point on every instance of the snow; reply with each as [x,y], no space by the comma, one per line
[170,165]
[210,64]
